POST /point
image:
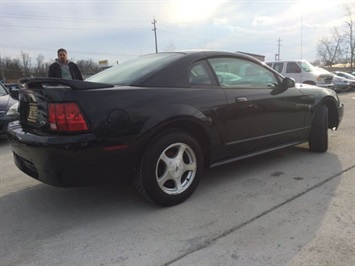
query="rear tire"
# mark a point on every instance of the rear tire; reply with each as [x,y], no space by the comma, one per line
[170,168]
[318,138]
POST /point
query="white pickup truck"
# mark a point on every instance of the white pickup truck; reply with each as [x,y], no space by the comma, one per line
[303,72]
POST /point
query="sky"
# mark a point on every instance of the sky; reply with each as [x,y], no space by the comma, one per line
[121,30]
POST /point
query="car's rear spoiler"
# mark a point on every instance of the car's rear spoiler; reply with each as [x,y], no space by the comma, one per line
[30,83]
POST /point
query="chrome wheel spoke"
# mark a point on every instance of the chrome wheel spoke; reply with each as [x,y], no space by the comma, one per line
[190,166]
[165,159]
[162,180]
[181,151]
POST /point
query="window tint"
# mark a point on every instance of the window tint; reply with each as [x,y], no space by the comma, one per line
[243,73]
[198,76]
[292,67]
[129,72]
[278,67]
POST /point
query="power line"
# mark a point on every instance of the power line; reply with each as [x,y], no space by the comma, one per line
[52,18]
[80,52]
[60,28]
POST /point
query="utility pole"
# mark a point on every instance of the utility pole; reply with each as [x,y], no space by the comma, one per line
[301,38]
[277,56]
[155,35]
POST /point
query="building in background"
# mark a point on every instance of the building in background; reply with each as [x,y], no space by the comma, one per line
[257,56]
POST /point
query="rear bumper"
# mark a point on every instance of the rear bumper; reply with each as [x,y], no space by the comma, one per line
[68,161]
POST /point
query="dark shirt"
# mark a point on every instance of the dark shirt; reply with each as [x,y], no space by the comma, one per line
[56,72]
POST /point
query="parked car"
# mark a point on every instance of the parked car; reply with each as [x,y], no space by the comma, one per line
[8,109]
[341,84]
[162,118]
[349,77]
[303,72]
[13,86]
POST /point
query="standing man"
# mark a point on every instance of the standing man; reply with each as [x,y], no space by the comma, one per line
[63,68]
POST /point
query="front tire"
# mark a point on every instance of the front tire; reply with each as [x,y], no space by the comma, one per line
[170,168]
[318,138]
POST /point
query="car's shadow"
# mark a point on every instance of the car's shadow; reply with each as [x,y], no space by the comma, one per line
[121,196]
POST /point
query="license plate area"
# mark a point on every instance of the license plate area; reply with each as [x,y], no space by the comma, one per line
[32,112]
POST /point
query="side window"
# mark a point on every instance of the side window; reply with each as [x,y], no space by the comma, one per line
[233,72]
[198,76]
[278,67]
[292,67]
[2,90]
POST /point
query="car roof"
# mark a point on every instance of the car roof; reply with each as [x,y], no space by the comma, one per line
[162,77]
[168,71]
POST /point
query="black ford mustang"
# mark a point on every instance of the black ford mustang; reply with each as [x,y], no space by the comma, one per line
[162,118]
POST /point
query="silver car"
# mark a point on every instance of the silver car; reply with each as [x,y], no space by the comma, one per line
[349,77]
[8,109]
[341,84]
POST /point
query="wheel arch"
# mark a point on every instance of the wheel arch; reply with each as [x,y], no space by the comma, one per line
[309,82]
[333,116]
[191,126]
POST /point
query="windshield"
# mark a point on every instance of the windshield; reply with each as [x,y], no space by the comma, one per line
[346,75]
[307,66]
[130,71]
[3,91]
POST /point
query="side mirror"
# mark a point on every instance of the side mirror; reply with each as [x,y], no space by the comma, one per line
[288,83]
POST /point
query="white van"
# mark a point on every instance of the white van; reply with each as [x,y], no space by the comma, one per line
[303,72]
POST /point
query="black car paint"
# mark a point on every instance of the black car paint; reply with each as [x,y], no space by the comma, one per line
[214,116]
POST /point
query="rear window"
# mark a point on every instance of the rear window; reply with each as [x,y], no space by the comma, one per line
[131,71]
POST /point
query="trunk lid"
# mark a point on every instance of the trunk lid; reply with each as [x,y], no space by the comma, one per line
[39,93]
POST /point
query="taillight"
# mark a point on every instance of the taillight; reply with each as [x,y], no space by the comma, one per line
[66,117]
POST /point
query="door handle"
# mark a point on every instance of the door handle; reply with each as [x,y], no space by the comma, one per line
[241,99]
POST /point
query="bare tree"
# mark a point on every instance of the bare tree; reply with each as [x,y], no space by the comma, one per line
[329,48]
[14,69]
[350,34]
[40,69]
[26,63]
[11,69]
[170,47]
[88,67]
